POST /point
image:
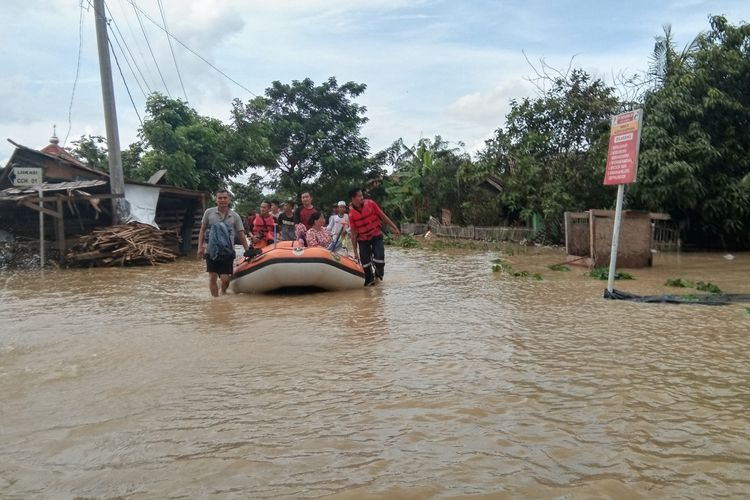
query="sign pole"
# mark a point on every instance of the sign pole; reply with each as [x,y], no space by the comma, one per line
[615,238]
[621,169]
[41,226]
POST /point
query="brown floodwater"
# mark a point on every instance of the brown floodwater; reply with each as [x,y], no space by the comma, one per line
[446,380]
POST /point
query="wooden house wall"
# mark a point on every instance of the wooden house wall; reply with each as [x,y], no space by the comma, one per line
[23,222]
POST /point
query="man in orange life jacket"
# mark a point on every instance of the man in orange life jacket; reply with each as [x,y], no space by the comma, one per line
[263,225]
[365,219]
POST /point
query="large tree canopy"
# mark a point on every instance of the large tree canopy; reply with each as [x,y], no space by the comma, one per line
[695,148]
[551,153]
[428,176]
[303,133]
[198,152]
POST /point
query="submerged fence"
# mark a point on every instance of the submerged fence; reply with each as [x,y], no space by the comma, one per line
[491,233]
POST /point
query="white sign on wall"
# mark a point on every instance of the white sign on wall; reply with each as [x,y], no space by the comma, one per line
[26,176]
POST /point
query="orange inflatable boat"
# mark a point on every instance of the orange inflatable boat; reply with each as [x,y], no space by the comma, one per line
[283,266]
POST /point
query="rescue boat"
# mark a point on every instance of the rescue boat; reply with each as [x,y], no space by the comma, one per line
[285,266]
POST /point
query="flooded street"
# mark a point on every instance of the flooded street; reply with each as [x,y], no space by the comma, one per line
[446,380]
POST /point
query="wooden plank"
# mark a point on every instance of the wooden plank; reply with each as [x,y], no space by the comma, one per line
[60,228]
[47,211]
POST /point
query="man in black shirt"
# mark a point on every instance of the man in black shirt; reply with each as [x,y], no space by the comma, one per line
[286,222]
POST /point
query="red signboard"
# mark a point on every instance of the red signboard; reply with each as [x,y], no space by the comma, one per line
[624,141]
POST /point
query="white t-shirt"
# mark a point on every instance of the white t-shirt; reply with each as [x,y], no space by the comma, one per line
[335,223]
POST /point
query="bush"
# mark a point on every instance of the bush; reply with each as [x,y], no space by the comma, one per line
[602,273]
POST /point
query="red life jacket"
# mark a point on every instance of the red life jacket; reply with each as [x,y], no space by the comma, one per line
[264,225]
[366,221]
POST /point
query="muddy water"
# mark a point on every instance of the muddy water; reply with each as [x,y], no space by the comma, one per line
[447,380]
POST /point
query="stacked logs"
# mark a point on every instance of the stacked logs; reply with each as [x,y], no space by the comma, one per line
[125,244]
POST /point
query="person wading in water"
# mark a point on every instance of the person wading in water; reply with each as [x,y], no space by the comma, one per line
[220,265]
[365,220]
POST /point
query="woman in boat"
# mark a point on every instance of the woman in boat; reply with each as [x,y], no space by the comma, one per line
[317,235]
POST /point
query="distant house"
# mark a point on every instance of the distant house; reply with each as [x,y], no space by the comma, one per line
[76,199]
[492,183]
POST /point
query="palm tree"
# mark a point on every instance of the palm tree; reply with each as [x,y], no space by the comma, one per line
[666,62]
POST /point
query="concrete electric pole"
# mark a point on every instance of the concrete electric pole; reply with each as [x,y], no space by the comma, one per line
[116,179]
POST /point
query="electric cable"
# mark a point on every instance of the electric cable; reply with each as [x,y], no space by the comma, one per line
[171,49]
[130,52]
[127,89]
[124,55]
[145,14]
[78,72]
[147,69]
[136,9]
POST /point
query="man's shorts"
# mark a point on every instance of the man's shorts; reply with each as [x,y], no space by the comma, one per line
[222,265]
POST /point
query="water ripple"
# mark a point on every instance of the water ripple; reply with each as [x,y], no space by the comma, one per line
[445,380]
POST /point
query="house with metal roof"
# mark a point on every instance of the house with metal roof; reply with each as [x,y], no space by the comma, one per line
[75,199]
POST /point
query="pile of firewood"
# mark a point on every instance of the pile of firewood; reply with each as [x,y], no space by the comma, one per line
[126,244]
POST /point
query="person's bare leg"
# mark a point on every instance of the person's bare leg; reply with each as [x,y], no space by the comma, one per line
[212,284]
[224,283]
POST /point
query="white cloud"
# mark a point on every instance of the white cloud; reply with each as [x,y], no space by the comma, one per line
[488,108]
[431,66]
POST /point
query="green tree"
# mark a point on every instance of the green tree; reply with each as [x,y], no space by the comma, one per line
[551,153]
[92,150]
[247,196]
[666,63]
[302,133]
[198,152]
[695,146]
[426,177]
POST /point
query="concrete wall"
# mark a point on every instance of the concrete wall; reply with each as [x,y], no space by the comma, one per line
[577,234]
[634,249]
[588,238]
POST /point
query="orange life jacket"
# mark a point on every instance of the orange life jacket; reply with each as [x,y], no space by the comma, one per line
[366,221]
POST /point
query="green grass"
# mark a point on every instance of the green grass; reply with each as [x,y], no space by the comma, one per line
[679,283]
[602,273]
[709,287]
[559,267]
[703,286]
[403,241]
[498,266]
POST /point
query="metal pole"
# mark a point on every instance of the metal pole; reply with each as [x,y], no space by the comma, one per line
[41,227]
[116,179]
[615,238]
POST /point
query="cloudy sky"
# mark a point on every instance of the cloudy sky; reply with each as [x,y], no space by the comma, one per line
[445,67]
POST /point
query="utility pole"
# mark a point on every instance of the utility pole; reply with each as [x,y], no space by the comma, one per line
[116,179]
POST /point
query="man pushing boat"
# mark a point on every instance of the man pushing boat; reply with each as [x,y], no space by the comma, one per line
[365,220]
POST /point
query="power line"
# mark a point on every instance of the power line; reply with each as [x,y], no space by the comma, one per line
[171,48]
[145,14]
[135,63]
[117,63]
[124,55]
[137,45]
[136,9]
[78,71]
